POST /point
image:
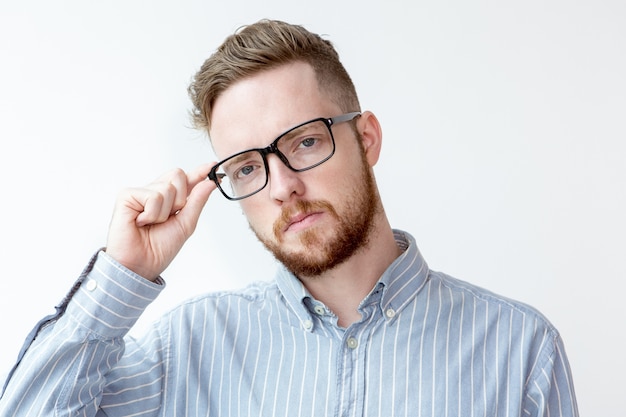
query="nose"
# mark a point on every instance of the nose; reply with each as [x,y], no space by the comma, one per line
[284,183]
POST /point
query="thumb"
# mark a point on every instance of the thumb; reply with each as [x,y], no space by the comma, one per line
[196,200]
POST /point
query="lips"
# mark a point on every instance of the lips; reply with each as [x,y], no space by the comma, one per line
[298,219]
[300,215]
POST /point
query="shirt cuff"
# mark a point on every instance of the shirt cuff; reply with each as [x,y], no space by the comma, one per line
[111,298]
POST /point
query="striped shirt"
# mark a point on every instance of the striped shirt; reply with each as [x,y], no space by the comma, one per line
[427,345]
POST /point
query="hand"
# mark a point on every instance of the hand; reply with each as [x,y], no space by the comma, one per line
[150,225]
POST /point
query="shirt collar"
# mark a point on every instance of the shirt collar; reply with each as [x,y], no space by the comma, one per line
[404,278]
[400,283]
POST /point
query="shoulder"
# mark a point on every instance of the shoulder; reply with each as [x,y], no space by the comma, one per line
[482,298]
[254,293]
[257,290]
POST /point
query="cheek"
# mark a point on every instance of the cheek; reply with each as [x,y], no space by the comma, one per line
[258,215]
[347,173]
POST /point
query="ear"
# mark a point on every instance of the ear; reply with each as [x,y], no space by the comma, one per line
[371,135]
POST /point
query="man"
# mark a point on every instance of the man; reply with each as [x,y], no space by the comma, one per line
[354,323]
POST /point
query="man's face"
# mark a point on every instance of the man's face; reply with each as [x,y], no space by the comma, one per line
[313,220]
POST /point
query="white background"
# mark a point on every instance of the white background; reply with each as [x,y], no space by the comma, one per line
[504,150]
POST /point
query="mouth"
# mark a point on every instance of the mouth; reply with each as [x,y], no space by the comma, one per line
[301,221]
[301,216]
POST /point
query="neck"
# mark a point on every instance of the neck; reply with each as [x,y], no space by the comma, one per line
[344,287]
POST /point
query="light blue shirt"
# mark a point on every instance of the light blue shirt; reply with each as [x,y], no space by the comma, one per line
[427,345]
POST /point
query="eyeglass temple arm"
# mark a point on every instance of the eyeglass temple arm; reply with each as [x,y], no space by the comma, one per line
[216,175]
[345,117]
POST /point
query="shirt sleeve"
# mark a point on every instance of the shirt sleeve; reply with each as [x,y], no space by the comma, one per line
[67,361]
[550,389]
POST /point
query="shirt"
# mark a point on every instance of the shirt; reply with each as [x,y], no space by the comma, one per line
[427,345]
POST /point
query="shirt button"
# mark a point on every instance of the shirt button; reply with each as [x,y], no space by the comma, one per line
[91,285]
[307,324]
[352,343]
[319,310]
[390,313]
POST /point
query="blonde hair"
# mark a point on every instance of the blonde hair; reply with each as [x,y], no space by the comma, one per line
[262,46]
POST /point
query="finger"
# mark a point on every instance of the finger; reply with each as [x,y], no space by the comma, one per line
[168,195]
[200,190]
[179,182]
[169,192]
[199,174]
[156,205]
[129,204]
[171,195]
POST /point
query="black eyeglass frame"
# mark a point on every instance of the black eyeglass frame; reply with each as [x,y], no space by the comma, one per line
[273,148]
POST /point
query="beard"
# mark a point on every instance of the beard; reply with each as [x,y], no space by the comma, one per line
[319,252]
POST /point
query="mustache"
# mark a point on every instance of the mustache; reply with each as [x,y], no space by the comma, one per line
[300,206]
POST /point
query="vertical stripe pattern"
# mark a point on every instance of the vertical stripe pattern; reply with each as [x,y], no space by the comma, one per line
[427,345]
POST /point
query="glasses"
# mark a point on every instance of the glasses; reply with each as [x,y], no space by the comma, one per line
[300,148]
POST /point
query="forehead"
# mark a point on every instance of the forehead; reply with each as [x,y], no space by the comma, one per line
[254,111]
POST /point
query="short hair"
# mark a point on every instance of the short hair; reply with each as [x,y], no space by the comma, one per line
[262,46]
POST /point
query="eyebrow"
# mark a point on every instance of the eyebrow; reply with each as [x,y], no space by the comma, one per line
[240,157]
[294,131]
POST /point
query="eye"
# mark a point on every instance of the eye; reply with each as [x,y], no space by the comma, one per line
[308,142]
[246,171]
[244,166]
